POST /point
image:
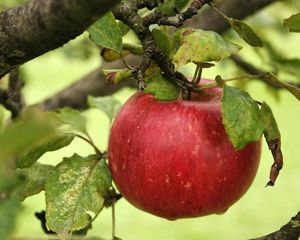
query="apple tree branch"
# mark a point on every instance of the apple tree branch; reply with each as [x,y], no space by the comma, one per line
[91,82]
[32,29]
[289,231]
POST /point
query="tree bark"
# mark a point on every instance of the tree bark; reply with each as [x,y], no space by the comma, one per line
[39,26]
[289,231]
[95,84]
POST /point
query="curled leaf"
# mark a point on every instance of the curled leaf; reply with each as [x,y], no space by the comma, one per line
[220,81]
[273,138]
[110,55]
[116,75]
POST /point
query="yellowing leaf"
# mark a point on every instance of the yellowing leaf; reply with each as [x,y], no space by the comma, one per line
[116,75]
[77,187]
[200,46]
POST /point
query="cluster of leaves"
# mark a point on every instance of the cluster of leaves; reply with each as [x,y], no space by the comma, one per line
[245,119]
[75,189]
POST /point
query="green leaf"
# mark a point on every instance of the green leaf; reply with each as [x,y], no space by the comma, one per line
[123,28]
[273,138]
[293,23]
[161,88]
[246,32]
[162,41]
[134,48]
[107,104]
[106,33]
[201,46]
[181,4]
[73,118]
[75,193]
[34,180]
[8,212]
[52,144]
[241,117]
[28,131]
[167,7]
[116,75]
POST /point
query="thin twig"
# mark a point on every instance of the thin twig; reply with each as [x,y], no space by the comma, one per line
[267,77]
[11,98]
[89,141]
[113,213]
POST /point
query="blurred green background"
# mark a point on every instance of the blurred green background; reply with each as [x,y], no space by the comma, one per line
[261,211]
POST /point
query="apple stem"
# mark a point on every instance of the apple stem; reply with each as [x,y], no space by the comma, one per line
[213,85]
[197,80]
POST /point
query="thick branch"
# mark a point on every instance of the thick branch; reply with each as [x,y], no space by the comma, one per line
[39,26]
[290,231]
[96,85]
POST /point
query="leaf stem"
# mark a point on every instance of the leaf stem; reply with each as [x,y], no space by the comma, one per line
[90,141]
[212,85]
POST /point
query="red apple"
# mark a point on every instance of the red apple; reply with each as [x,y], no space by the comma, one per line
[174,159]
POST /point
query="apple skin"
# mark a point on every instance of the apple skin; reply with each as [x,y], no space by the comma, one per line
[174,159]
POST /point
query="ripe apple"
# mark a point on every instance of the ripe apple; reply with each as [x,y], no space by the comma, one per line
[174,159]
